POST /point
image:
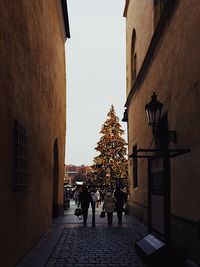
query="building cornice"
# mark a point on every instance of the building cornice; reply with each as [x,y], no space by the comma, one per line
[126,8]
[162,24]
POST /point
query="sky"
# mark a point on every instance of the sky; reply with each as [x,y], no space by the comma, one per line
[95,73]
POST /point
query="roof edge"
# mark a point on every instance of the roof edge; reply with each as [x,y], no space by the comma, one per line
[65,17]
[126,8]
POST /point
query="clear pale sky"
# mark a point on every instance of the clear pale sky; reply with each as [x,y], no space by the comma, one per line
[95,62]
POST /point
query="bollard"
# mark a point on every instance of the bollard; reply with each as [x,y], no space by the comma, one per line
[93,204]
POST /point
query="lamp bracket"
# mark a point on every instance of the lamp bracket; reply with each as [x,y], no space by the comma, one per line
[157,153]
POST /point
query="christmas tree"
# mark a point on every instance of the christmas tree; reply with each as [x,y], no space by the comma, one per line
[110,166]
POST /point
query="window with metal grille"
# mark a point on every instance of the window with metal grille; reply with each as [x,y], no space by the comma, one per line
[20,158]
[135,168]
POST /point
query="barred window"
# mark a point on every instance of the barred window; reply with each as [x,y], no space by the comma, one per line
[20,158]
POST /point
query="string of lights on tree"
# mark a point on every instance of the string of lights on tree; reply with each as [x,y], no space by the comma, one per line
[111,165]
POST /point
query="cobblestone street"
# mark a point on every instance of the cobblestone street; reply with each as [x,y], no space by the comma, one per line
[71,244]
[102,246]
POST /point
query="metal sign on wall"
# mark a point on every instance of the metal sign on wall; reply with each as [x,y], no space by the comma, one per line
[157,197]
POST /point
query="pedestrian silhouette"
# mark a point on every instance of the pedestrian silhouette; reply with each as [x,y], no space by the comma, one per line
[84,200]
[121,199]
[108,206]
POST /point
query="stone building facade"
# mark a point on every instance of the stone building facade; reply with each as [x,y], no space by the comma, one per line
[162,51]
[32,115]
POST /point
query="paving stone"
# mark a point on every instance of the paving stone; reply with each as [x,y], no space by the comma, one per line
[99,247]
[102,246]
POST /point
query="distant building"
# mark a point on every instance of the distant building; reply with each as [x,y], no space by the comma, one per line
[32,115]
[163,56]
[76,173]
[70,173]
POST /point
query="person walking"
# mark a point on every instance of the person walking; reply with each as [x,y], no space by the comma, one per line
[84,200]
[108,206]
[98,196]
[93,204]
[121,199]
[76,196]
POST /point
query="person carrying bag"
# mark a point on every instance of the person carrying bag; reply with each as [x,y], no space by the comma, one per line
[84,201]
[108,206]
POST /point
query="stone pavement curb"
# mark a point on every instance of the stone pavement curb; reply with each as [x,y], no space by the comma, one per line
[40,253]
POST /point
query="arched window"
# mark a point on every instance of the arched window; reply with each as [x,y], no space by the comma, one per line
[159,6]
[133,58]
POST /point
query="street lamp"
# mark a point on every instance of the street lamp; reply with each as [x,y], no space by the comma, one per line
[125,117]
[153,111]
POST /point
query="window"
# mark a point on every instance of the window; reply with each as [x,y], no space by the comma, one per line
[135,168]
[133,59]
[159,6]
[20,158]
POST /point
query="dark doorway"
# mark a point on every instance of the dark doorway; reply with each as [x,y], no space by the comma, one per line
[55,208]
[159,185]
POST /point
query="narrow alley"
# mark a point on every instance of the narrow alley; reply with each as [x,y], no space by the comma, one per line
[100,100]
[69,243]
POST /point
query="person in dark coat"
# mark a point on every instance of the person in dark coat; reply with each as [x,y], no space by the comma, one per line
[121,199]
[84,200]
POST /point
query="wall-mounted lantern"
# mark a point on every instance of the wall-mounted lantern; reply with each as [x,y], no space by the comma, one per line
[125,117]
[153,111]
